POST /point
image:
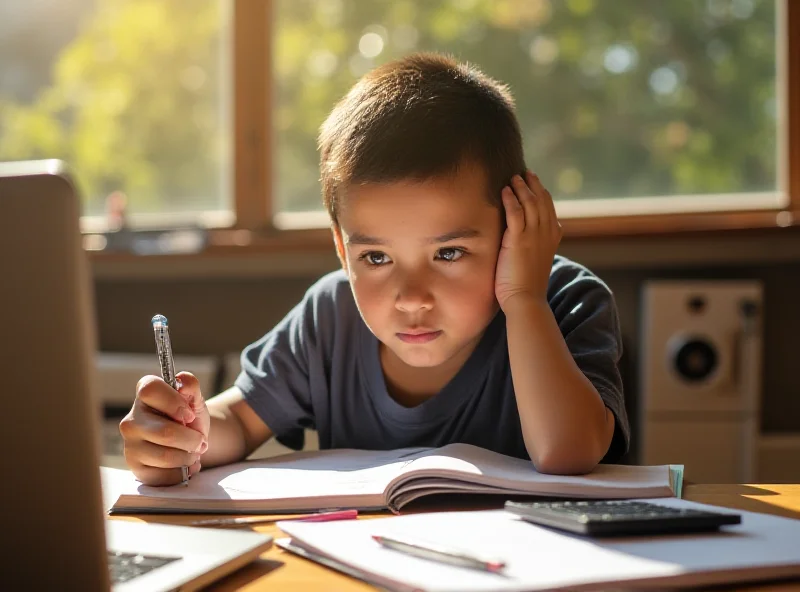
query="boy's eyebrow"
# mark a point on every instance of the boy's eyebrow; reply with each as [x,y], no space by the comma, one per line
[362,239]
[455,235]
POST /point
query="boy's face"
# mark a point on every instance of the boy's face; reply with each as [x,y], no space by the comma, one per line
[421,258]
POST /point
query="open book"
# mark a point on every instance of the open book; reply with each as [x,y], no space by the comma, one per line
[375,480]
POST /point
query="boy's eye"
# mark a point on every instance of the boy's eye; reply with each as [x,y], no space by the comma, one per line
[375,258]
[450,254]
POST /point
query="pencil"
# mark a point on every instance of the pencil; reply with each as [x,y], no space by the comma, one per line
[439,553]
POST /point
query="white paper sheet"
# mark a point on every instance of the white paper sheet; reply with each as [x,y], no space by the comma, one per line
[538,558]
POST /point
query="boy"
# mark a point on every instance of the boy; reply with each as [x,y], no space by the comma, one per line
[452,320]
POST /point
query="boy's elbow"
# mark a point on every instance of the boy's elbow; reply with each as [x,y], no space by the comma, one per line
[573,453]
[556,464]
[567,460]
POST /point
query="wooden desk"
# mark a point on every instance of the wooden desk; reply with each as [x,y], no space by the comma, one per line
[278,570]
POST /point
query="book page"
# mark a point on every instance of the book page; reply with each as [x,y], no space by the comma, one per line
[477,465]
[328,473]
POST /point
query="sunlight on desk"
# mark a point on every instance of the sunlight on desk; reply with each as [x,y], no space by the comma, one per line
[779,499]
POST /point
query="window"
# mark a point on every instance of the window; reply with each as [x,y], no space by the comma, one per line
[133,94]
[616,99]
[637,114]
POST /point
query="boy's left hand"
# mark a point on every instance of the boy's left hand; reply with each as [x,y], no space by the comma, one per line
[529,243]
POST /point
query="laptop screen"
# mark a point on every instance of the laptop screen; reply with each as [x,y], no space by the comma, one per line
[51,502]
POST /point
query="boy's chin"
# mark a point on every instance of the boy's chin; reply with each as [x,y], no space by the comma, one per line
[422,356]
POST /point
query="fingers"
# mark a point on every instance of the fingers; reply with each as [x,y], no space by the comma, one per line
[528,201]
[515,215]
[161,457]
[159,396]
[189,389]
[529,204]
[157,417]
[143,424]
[194,468]
[544,200]
[159,477]
[158,434]
[155,447]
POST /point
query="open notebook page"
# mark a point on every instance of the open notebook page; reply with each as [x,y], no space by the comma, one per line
[352,472]
[466,462]
[322,474]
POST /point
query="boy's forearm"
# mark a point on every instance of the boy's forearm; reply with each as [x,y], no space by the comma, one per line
[229,440]
[566,426]
[225,441]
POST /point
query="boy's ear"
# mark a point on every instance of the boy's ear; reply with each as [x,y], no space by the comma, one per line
[339,242]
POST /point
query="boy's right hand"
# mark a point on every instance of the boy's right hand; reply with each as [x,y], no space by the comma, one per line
[156,441]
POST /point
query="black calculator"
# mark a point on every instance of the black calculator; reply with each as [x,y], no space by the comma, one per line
[620,517]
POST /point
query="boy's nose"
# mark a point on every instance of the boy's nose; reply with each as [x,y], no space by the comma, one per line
[413,296]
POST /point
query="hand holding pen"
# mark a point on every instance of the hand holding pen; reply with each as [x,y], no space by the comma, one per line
[167,427]
[167,363]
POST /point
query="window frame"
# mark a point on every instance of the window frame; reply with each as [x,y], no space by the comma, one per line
[256,228]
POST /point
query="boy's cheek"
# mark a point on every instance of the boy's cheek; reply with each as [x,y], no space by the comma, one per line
[367,294]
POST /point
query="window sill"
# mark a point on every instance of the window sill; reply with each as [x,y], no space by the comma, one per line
[610,243]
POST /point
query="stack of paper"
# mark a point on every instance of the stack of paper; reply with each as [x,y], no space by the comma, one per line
[538,558]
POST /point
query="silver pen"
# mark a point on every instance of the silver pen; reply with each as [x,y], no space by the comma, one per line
[439,553]
[164,351]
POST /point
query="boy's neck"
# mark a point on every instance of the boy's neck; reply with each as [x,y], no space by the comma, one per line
[412,385]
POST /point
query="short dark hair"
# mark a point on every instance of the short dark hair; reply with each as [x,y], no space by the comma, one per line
[418,118]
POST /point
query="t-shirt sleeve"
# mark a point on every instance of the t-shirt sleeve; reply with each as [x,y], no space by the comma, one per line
[586,313]
[275,372]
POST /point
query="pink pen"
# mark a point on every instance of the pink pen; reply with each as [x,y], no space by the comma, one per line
[329,516]
[319,517]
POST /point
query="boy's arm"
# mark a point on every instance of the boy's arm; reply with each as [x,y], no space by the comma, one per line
[235,430]
[565,423]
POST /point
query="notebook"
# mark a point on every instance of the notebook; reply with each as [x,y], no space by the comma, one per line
[539,558]
[378,480]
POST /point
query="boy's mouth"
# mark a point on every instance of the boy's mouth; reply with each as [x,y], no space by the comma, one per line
[417,336]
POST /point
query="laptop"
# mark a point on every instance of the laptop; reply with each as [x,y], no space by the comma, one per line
[54,532]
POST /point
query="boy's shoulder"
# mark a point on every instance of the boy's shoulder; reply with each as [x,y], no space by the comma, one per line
[566,273]
[329,302]
[332,286]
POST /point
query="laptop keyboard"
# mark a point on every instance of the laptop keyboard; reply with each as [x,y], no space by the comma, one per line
[126,566]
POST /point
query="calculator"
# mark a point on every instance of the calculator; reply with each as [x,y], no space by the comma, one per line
[620,517]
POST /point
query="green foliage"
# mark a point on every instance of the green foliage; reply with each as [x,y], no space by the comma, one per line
[616,98]
[133,105]
[581,73]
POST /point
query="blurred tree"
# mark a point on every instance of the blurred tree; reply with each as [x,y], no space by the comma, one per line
[134,105]
[616,98]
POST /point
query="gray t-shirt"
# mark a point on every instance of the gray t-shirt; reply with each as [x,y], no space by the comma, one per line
[320,368]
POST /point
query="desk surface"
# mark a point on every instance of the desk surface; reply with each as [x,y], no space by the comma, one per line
[278,570]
